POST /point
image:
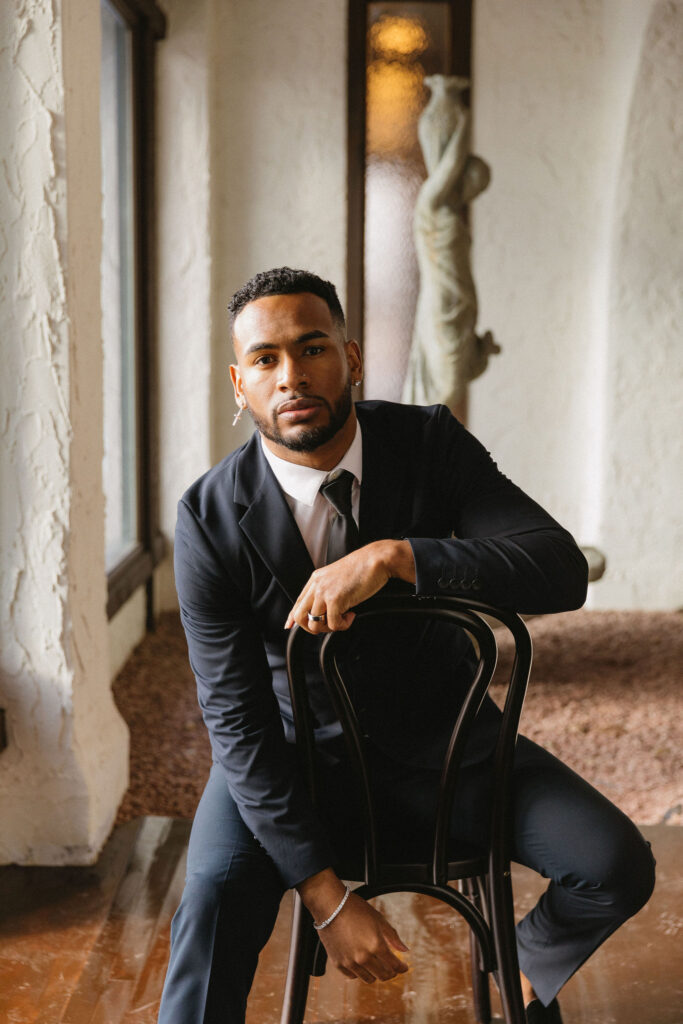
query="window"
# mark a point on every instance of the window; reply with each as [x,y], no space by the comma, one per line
[120,465]
[392,47]
[133,542]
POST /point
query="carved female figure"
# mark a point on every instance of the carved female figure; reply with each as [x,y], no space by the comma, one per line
[446,352]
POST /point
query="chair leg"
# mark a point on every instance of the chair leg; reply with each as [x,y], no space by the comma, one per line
[480,980]
[301,952]
[503,928]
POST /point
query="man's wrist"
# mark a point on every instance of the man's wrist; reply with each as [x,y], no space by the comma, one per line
[397,559]
[322,893]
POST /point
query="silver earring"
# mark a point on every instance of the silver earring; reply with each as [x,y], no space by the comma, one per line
[237,415]
[357,383]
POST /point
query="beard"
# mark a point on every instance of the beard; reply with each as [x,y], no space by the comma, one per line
[309,438]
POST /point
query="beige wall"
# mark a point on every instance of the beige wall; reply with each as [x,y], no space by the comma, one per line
[577,108]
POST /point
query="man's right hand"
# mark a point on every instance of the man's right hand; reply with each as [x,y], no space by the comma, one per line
[360,942]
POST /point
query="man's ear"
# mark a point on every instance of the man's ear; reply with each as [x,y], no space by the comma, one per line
[236,379]
[354,359]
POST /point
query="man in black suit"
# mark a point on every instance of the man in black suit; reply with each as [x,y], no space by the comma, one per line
[411,497]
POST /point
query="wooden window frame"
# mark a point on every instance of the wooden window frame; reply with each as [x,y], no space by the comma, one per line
[147,24]
[460,64]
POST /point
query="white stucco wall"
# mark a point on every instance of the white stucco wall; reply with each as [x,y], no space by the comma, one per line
[65,769]
[576,265]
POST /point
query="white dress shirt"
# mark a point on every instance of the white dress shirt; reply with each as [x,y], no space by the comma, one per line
[301,485]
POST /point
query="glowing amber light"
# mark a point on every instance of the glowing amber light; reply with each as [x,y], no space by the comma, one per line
[395,95]
[398,37]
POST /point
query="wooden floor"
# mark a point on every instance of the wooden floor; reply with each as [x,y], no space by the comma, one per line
[89,946]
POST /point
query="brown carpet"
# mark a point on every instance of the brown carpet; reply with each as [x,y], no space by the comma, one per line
[604,696]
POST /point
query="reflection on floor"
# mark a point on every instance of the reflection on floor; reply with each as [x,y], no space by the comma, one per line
[89,946]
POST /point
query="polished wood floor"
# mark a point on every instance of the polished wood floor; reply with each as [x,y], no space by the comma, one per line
[89,946]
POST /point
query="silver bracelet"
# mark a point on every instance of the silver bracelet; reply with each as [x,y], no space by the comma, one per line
[330,919]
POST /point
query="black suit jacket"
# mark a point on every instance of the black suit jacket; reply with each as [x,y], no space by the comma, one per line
[241,562]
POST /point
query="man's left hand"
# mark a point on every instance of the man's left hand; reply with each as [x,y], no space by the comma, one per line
[334,589]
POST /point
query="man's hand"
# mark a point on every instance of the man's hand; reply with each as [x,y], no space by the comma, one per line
[333,589]
[360,941]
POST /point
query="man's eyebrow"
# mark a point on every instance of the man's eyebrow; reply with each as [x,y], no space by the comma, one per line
[309,336]
[301,340]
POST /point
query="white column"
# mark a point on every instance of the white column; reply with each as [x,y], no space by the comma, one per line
[65,768]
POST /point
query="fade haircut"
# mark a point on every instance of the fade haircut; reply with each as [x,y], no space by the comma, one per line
[285,281]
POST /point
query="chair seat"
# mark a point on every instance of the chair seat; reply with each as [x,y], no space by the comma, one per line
[470,861]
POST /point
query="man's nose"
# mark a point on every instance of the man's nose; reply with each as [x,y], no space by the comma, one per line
[292,375]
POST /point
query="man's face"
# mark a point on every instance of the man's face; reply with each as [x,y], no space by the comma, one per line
[293,374]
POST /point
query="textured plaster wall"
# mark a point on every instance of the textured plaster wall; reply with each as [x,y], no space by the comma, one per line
[564,280]
[65,768]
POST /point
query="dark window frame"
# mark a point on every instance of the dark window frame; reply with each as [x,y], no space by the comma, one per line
[461,64]
[147,24]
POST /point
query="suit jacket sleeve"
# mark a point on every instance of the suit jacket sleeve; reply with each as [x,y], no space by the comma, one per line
[505,549]
[234,686]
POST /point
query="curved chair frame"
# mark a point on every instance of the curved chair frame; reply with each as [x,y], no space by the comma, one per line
[486,903]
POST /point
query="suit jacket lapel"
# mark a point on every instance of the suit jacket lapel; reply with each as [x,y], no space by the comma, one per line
[268,521]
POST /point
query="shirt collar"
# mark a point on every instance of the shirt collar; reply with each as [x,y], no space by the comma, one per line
[303,482]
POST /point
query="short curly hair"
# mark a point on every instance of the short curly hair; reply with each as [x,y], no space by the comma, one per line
[285,281]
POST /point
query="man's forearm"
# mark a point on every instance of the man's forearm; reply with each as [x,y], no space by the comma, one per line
[540,571]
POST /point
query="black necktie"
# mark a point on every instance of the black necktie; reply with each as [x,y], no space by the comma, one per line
[343,530]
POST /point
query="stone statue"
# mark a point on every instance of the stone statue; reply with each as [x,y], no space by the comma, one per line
[446,352]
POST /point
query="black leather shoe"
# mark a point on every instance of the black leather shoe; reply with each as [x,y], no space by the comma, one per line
[537,1013]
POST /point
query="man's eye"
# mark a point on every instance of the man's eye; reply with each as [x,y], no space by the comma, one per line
[314,350]
[264,360]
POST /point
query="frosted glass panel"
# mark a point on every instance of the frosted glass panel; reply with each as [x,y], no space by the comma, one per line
[405,42]
[119,469]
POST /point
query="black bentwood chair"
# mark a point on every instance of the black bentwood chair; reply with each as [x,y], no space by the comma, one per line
[484,893]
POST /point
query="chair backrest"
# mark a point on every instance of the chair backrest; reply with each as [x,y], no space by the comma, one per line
[472,617]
